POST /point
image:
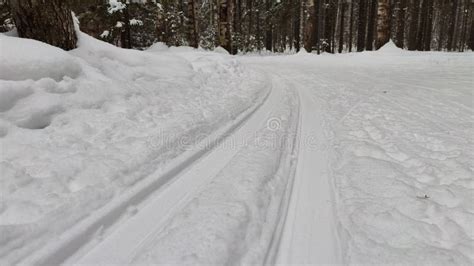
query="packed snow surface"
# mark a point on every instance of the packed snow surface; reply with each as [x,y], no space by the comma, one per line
[177,155]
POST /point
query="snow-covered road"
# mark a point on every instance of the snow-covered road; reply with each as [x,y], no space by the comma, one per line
[303,159]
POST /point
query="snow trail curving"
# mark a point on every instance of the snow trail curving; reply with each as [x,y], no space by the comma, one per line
[225,208]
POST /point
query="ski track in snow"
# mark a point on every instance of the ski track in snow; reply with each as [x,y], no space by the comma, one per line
[353,159]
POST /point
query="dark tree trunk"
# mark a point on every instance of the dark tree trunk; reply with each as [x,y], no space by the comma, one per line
[401,23]
[192,26]
[371,26]
[329,25]
[341,27]
[225,24]
[362,26]
[49,21]
[383,23]
[351,26]
[250,24]
[414,21]
[471,31]
[466,8]
[422,26]
[452,25]
[296,26]
[126,38]
[319,24]
[259,33]
[268,20]
[428,25]
[237,43]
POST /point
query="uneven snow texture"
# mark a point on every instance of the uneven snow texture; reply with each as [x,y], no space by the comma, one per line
[79,128]
[234,219]
[400,126]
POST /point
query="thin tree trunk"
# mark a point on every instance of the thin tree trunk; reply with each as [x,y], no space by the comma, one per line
[414,21]
[427,32]
[225,24]
[362,26]
[383,23]
[371,26]
[452,25]
[193,36]
[269,32]
[341,27]
[401,23]
[126,32]
[49,21]
[351,25]
[297,25]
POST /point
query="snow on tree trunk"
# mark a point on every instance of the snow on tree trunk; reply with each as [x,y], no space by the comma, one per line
[49,21]
[383,23]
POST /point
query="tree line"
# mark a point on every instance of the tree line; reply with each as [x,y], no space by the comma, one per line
[333,26]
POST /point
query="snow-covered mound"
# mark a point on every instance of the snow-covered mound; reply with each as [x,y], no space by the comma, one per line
[80,128]
[390,48]
[30,59]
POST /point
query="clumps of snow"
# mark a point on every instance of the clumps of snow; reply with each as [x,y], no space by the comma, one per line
[105,34]
[115,6]
[22,59]
[136,22]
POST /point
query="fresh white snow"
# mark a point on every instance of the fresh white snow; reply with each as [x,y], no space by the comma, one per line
[183,156]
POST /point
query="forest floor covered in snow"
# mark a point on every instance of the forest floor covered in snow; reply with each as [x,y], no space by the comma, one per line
[177,155]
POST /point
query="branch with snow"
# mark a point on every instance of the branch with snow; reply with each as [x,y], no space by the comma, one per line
[115,6]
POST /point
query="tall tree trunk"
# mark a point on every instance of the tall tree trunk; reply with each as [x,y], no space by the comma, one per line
[319,15]
[401,23]
[49,21]
[383,23]
[259,33]
[422,27]
[362,26]
[310,25]
[249,14]
[351,26]
[225,25]
[428,27]
[297,25]
[126,38]
[268,22]
[371,24]
[341,27]
[471,37]
[414,21]
[237,26]
[192,25]
[452,25]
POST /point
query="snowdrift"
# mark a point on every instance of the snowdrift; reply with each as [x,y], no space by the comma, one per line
[80,128]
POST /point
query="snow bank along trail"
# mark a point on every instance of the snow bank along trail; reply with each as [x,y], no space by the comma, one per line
[82,133]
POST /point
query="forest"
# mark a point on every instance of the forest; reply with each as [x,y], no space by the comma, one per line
[236,132]
[242,26]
